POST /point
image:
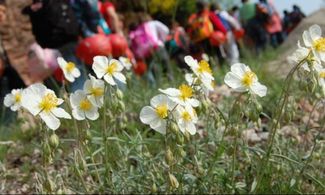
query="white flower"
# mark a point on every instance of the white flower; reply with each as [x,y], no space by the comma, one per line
[13,99]
[126,62]
[82,107]
[201,69]
[301,54]
[242,79]
[206,85]
[69,69]
[95,89]
[156,115]
[313,39]
[39,100]
[186,119]
[109,69]
[182,95]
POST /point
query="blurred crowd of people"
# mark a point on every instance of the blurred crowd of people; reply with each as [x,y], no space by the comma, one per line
[78,30]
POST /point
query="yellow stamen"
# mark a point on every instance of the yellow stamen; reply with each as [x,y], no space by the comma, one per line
[18,97]
[319,45]
[186,116]
[85,105]
[248,79]
[111,68]
[186,92]
[162,111]
[70,66]
[97,91]
[48,102]
[204,67]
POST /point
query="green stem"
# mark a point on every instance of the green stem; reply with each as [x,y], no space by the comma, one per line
[234,161]
[284,98]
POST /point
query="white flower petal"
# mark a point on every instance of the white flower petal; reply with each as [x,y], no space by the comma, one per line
[158,100]
[159,126]
[76,73]
[92,114]
[170,91]
[119,66]
[109,79]
[62,63]
[147,115]
[99,66]
[233,80]
[307,39]
[61,113]
[239,69]
[50,120]
[190,127]
[259,89]
[78,114]
[9,100]
[315,32]
[119,76]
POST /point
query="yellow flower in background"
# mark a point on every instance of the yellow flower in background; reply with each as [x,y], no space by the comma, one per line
[70,71]
[40,101]
[242,79]
[13,99]
[156,114]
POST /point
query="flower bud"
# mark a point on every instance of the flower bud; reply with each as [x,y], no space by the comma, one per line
[174,128]
[121,106]
[187,136]
[54,141]
[259,107]
[179,138]
[154,188]
[119,94]
[169,156]
[173,181]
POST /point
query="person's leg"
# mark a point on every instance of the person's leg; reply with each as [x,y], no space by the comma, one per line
[68,52]
[231,49]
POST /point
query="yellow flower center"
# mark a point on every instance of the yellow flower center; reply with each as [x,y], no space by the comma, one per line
[18,98]
[204,67]
[186,116]
[162,111]
[186,91]
[70,66]
[97,91]
[322,75]
[48,102]
[319,45]
[85,105]
[248,79]
[111,68]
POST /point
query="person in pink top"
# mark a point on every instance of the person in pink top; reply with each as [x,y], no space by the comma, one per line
[274,24]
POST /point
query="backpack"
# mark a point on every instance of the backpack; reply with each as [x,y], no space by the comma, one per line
[224,22]
[142,44]
[54,24]
[200,27]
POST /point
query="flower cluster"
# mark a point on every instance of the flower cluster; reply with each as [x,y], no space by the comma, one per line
[177,105]
[41,101]
[312,55]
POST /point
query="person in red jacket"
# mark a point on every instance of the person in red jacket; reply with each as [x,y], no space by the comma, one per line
[207,20]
